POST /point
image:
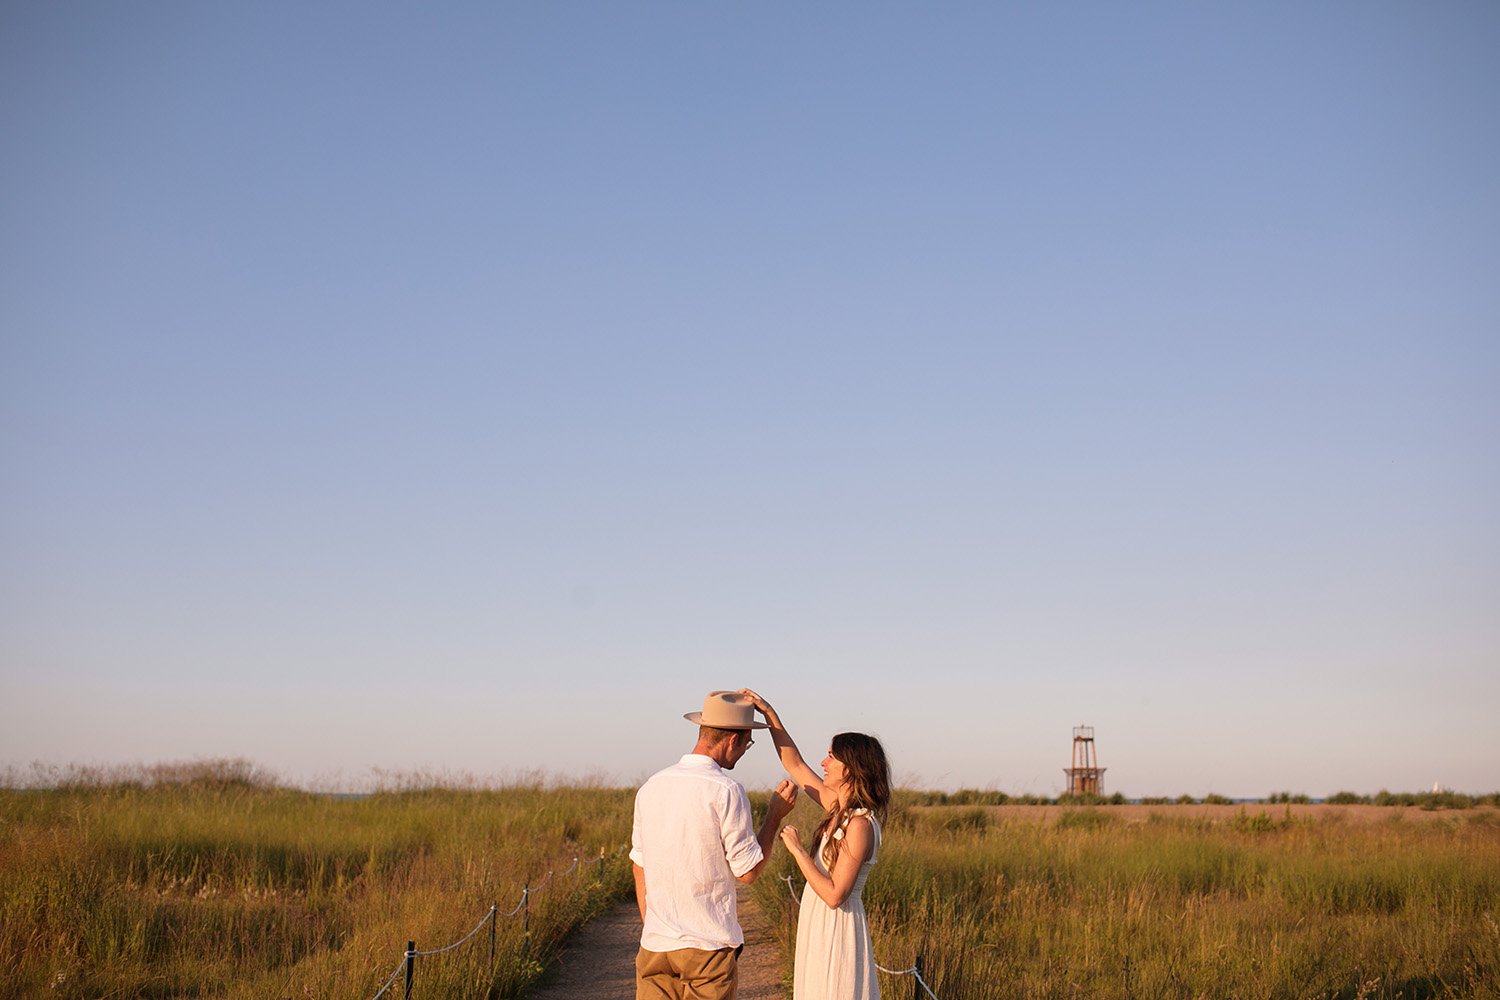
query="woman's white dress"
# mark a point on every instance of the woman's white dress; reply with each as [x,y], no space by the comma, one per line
[834,958]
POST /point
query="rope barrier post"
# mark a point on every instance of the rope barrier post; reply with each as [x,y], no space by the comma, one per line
[916,986]
[526,916]
[494,919]
[601,866]
[411,965]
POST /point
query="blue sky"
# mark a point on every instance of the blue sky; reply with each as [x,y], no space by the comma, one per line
[473,389]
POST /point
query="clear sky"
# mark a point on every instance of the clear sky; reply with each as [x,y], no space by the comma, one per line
[474,388]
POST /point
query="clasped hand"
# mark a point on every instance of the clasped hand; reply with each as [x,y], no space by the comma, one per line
[783,799]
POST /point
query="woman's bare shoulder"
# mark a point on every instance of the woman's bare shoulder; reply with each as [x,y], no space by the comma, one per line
[859,820]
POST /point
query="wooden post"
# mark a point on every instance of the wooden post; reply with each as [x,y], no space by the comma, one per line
[601,866]
[916,986]
[411,965]
[494,919]
[526,915]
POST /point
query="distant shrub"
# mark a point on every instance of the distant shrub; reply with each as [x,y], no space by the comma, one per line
[1215,799]
[1186,800]
[963,819]
[1446,800]
[1117,799]
[1255,823]
[1422,800]
[962,797]
[1277,798]
[914,797]
[1084,819]
[1068,799]
[1425,800]
[212,774]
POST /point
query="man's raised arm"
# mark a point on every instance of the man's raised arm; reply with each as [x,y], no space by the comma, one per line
[782,801]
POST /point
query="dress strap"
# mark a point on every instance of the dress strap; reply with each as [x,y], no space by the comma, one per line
[844,823]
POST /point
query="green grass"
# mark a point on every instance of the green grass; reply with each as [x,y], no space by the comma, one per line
[212,888]
[1091,902]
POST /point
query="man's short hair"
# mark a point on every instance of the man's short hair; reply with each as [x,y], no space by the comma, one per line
[714,736]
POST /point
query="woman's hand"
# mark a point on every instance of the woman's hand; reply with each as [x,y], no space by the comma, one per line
[791,840]
[786,751]
[764,707]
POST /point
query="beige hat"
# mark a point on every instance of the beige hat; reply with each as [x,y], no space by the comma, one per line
[726,710]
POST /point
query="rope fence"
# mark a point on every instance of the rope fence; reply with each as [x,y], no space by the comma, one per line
[409,957]
[438,951]
[493,915]
[399,966]
[915,971]
[525,894]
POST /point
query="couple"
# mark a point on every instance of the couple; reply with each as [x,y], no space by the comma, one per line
[693,841]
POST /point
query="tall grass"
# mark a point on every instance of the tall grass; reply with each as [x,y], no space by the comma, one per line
[1089,903]
[212,881]
[209,885]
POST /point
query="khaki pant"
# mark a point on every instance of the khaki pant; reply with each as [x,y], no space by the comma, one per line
[687,974]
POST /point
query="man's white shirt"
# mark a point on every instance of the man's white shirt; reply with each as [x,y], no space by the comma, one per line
[694,837]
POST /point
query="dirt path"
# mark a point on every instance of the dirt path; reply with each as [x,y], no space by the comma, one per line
[598,961]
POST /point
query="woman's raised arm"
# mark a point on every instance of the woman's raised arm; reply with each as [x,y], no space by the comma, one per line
[791,757]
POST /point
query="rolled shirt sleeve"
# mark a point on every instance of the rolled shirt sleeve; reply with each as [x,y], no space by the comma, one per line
[637,855]
[741,848]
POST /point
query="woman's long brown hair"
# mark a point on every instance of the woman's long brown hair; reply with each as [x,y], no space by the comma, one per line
[869,778]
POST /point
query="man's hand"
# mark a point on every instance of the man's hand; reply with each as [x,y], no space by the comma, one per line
[783,799]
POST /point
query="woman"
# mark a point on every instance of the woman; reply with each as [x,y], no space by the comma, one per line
[834,959]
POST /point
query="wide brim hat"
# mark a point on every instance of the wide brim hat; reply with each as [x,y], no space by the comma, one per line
[726,710]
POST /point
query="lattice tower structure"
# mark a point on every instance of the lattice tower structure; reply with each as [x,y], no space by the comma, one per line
[1085,777]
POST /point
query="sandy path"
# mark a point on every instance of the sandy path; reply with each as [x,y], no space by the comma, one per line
[598,961]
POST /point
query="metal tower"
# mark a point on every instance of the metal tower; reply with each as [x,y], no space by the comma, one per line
[1085,777]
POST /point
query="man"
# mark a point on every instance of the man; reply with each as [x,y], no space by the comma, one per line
[691,844]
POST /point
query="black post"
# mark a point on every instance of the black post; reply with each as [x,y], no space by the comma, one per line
[411,965]
[916,986]
[494,919]
[526,915]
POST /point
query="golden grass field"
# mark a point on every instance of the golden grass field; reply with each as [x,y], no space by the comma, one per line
[1187,901]
[217,883]
[209,887]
